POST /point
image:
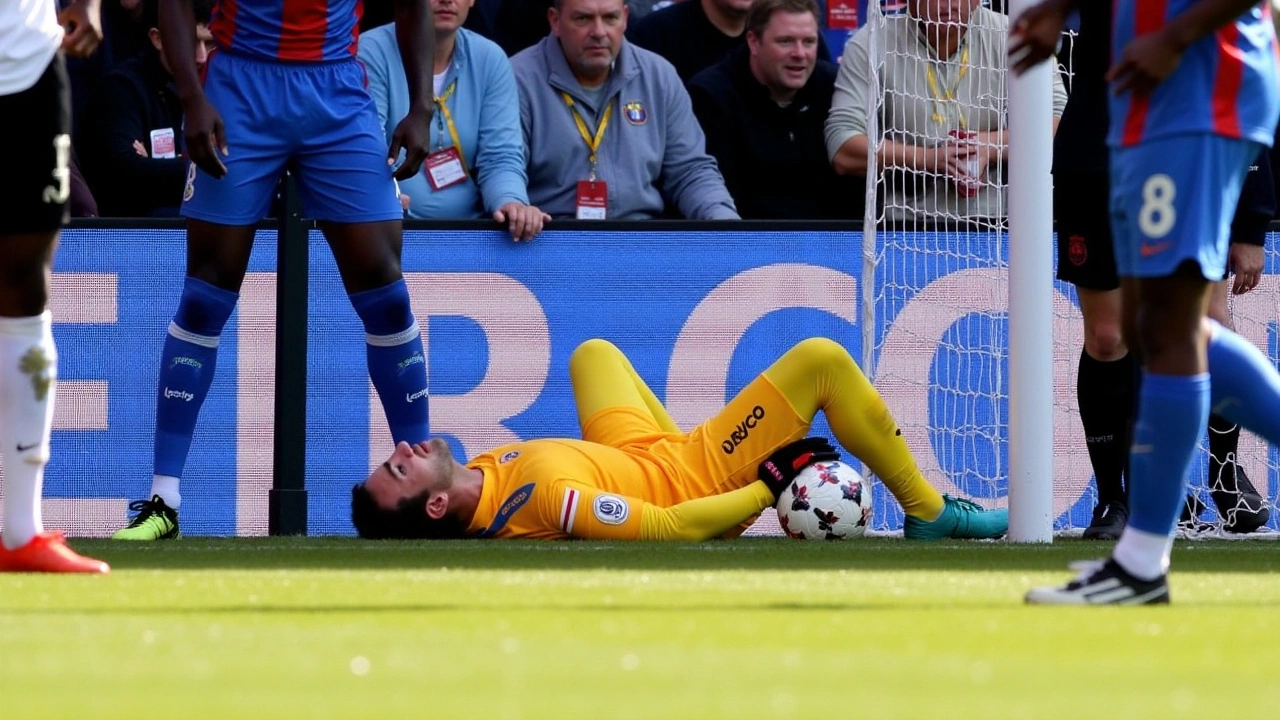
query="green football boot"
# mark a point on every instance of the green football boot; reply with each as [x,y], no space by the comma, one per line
[154,521]
[960,519]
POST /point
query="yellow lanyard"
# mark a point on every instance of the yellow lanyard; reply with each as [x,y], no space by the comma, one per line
[947,94]
[444,117]
[593,142]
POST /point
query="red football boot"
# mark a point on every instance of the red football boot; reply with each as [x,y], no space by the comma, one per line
[48,552]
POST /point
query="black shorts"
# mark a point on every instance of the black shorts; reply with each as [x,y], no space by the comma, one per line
[37,124]
[1086,257]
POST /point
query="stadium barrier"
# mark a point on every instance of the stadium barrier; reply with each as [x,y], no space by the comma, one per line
[700,308]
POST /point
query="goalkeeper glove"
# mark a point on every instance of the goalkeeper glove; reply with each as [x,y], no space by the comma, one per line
[787,461]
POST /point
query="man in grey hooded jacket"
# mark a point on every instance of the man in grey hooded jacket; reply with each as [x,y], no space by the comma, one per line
[609,129]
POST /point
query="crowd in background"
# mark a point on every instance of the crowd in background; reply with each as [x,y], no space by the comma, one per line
[708,109]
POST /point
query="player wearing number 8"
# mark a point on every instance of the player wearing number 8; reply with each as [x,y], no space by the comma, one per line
[1194,98]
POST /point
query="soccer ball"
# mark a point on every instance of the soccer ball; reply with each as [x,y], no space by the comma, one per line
[826,501]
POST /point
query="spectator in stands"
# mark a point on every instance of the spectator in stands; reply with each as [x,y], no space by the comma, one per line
[609,131]
[124,36]
[131,141]
[519,24]
[476,168]
[696,34]
[763,109]
[943,107]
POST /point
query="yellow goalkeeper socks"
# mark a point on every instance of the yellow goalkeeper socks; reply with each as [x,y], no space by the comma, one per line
[819,374]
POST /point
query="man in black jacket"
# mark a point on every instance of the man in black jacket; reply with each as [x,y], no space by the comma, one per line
[763,109]
[130,142]
[696,34]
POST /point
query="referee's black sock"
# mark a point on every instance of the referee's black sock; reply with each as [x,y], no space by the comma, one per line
[1105,392]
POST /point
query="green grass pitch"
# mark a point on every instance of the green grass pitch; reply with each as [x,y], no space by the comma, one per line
[752,628]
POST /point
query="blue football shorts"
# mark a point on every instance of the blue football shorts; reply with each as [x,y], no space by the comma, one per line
[1172,200]
[317,119]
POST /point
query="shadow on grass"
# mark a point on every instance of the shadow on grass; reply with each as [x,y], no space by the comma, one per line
[776,554]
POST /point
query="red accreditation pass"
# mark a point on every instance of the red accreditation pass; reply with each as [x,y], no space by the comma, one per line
[444,168]
[593,200]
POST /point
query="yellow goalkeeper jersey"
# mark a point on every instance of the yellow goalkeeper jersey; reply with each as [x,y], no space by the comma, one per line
[628,470]
[564,488]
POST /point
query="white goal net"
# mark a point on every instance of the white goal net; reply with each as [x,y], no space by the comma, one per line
[935,297]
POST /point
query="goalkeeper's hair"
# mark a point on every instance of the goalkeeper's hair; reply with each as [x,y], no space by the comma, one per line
[762,11]
[408,520]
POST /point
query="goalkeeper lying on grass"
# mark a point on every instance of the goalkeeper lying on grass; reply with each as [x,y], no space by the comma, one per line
[636,476]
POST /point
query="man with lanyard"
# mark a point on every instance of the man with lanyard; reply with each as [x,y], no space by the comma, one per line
[634,144]
[476,167]
[949,142]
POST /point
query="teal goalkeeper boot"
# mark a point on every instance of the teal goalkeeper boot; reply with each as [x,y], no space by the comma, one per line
[960,519]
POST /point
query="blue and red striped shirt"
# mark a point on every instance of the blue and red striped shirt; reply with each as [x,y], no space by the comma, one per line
[1227,83]
[288,30]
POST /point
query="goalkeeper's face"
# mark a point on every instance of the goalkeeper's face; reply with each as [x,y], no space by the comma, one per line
[412,470]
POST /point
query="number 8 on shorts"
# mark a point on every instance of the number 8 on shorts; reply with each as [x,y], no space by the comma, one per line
[1172,200]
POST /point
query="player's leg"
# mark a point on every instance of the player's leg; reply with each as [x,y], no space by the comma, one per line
[346,185]
[1172,223]
[778,407]
[221,214]
[32,209]
[1106,371]
[615,406]
[1105,384]
[818,374]
[1240,505]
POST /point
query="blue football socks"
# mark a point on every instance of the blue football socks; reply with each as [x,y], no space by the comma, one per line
[1172,413]
[397,363]
[186,370]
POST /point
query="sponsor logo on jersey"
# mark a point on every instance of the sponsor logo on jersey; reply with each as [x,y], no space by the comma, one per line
[508,457]
[740,433]
[611,509]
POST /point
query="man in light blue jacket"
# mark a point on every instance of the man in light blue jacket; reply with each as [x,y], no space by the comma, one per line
[609,130]
[477,163]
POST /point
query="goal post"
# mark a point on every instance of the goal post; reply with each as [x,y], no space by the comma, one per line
[1030,300]
[958,305]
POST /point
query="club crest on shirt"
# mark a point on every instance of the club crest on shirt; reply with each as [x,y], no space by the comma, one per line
[635,113]
[1077,250]
[611,509]
[508,457]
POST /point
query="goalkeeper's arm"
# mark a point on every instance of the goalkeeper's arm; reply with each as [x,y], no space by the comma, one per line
[704,518]
[586,512]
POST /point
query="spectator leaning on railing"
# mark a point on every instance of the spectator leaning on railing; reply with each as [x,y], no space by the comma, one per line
[476,168]
[608,127]
[942,112]
[763,110]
